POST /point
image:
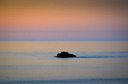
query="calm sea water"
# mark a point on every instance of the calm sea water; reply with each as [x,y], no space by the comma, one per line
[34,62]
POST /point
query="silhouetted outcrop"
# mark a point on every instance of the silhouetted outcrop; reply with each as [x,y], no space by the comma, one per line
[64,55]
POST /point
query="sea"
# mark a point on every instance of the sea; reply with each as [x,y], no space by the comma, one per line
[33,62]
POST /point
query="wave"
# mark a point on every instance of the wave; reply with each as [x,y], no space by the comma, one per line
[101,56]
[96,57]
[72,81]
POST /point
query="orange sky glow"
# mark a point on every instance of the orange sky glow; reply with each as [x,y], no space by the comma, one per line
[58,13]
[63,15]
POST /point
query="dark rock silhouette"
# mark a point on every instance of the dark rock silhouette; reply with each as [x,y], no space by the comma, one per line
[64,55]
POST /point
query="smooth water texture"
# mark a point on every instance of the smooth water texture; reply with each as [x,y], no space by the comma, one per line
[33,62]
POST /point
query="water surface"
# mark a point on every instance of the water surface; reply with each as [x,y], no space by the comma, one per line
[97,62]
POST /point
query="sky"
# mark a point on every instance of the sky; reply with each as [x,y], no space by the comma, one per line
[63,20]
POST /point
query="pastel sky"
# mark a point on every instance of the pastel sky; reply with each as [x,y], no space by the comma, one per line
[63,20]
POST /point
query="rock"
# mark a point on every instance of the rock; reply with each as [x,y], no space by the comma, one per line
[64,55]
